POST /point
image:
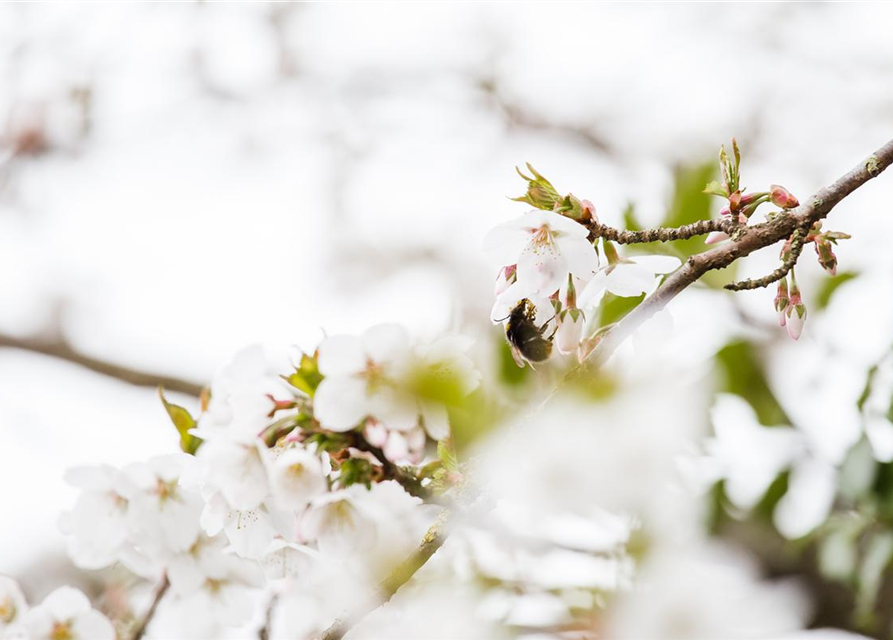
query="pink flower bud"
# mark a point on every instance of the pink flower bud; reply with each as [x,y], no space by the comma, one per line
[505,279]
[781,296]
[375,433]
[588,211]
[725,211]
[796,316]
[781,197]
[735,201]
[716,236]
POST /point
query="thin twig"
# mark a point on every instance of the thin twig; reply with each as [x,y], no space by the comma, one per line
[433,540]
[749,239]
[660,234]
[798,240]
[147,618]
[61,349]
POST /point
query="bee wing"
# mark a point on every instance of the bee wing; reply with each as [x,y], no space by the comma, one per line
[519,359]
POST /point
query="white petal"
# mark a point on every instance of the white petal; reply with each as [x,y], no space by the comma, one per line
[808,501]
[341,355]
[561,226]
[297,478]
[504,242]
[629,280]
[594,290]
[65,602]
[250,532]
[340,403]
[582,258]
[437,421]
[542,268]
[386,342]
[396,411]
[92,625]
[657,263]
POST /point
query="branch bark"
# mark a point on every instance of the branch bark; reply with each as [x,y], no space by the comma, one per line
[747,240]
[61,349]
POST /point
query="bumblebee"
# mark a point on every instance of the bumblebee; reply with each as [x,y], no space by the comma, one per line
[526,339]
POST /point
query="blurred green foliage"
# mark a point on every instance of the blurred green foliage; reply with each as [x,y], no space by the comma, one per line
[743,374]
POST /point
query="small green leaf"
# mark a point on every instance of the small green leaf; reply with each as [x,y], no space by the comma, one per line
[630,220]
[830,286]
[613,308]
[355,471]
[447,454]
[306,377]
[183,422]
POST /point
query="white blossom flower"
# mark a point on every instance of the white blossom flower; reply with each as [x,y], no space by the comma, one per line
[163,515]
[249,532]
[360,374]
[704,590]
[12,607]
[570,331]
[337,525]
[66,614]
[628,277]
[236,467]
[546,247]
[97,527]
[297,477]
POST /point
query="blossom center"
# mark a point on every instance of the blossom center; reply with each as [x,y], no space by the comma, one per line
[7,610]
[61,631]
[542,236]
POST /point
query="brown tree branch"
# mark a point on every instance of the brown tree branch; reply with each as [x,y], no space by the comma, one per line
[61,349]
[147,618]
[747,240]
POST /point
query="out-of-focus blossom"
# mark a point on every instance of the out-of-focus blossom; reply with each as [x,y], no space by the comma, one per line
[13,607]
[701,592]
[297,477]
[97,527]
[66,614]
[546,247]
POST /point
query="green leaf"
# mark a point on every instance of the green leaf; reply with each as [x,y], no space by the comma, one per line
[739,364]
[183,422]
[447,454]
[630,221]
[830,286]
[510,374]
[306,377]
[613,308]
[355,471]
[714,188]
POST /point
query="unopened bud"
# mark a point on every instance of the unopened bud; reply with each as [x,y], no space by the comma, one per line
[826,256]
[507,276]
[781,296]
[570,330]
[589,211]
[781,197]
[795,316]
[735,201]
[611,252]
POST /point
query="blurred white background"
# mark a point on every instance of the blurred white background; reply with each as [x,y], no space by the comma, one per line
[180,180]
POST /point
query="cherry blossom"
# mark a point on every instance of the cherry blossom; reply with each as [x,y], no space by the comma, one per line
[97,528]
[66,613]
[546,247]
[297,478]
[360,374]
[12,607]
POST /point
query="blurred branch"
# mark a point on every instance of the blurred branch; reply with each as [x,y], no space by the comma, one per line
[140,630]
[432,541]
[745,241]
[519,117]
[59,347]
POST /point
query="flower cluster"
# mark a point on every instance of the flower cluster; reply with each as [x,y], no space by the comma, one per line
[296,479]
[64,614]
[547,257]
